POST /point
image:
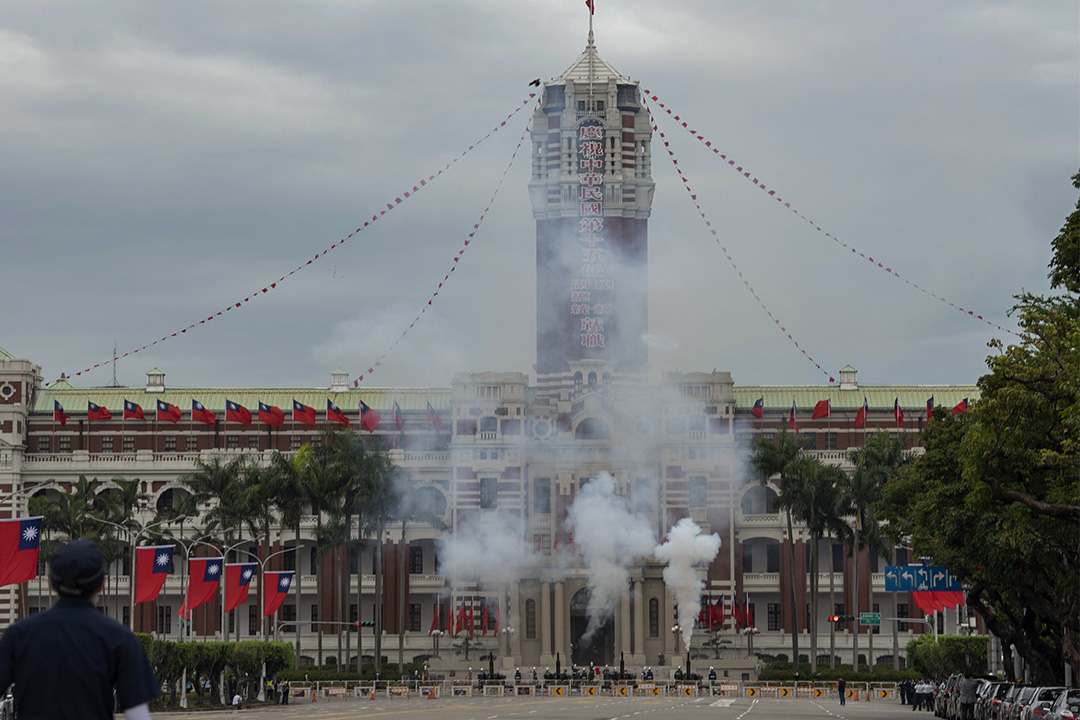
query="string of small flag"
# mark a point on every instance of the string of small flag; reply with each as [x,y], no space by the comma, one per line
[727,253]
[772,193]
[823,411]
[453,267]
[398,200]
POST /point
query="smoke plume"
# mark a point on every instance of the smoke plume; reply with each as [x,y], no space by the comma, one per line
[687,549]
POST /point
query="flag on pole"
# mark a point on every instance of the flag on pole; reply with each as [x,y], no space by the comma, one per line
[860,417]
[960,407]
[495,621]
[736,611]
[133,411]
[333,414]
[399,419]
[201,414]
[434,619]
[822,409]
[758,410]
[276,586]
[791,420]
[748,614]
[203,577]
[472,606]
[20,539]
[433,417]
[450,615]
[930,408]
[369,419]
[58,414]
[237,583]
[151,568]
[484,620]
[718,611]
[303,413]
[235,412]
[898,412]
[271,415]
[591,4]
[97,412]
[168,412]
[460,618]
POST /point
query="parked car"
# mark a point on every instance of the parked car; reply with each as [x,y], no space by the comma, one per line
[944,691]
[1023,699]
[982,699]
[992,708]
[1044,698]
[1004,708]
[1066,707]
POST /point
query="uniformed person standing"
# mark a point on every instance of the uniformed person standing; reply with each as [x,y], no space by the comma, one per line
[66,662]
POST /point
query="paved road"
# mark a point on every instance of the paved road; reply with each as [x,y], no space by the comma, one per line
[573,708]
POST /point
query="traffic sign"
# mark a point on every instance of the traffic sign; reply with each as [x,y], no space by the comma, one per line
[869,618]
[911,578]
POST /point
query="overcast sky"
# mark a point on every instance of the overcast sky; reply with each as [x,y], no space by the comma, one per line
[161,161]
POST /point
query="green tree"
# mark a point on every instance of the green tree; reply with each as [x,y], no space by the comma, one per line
[771,458]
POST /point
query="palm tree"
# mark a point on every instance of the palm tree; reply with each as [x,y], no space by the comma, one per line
[220,480]
[773,457]
[122,503]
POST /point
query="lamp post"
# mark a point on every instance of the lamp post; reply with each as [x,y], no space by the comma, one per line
[225,561]
[675,630]
[435,635]
[508,632]
[133,538]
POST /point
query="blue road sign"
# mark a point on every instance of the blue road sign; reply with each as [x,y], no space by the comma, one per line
[910,578]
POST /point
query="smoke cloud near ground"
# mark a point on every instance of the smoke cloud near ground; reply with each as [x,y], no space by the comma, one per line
[684,551]
[610,539]
[490,552]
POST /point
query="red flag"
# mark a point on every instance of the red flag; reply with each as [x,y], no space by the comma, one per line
[333,414]
[930,600]
[369,419]
[58,414]
[860,417]
[460,618]
[201,414]
[234,412]
[151,569]
[483,621]
[758,410]
[168,412]
[96,412]
[203,577]
[717,612]
[898,412]
[736,611]
[303,413]
[133,411]
[960,407]
[748,614]
[271,415]
[791,420]
[434,619]
[591,5]
[433,417]
[822,409]
[703,613]
[399,419]
[276,589]
[19,543]
[930,409]
[472,605]
[237,583]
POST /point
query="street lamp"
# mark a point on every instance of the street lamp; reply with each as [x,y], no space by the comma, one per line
[435,635]
[508,632]
[675,630]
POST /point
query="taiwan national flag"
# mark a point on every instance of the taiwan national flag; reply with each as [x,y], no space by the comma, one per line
[234,412]
[860,417]
[96,412]
[277,586]
[460,618]
[898,413]
[19,539]
[333,414]
[791,420]
[748,614]
[822,409]
[472,624]
[434,619]
[58,414]
[204,575]
[483,621]
[151,568]
[303,413]
[930,409]
[237,581]
[960,407]
[399,419]
[758,410]
[736,612]
[201,414]
[169,412]
[433,418]
[369,419]
[718,611]
[133,411]
[271,415]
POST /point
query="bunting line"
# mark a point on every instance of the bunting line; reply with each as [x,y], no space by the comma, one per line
[772,193]
[398,200]
[454,266]
[727,253]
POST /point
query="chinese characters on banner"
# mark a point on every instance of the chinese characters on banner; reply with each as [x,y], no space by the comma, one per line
[589,290]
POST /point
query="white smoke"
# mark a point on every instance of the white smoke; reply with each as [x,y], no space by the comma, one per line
[610,537]
[687,549]
[490,552]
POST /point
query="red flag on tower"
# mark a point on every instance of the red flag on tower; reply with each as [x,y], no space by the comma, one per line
[201,414]
[271,415]
[237,583]
[460,618]
[434,619]
[133,411]
[930,409]
[791,420]
[960,407]
[399,419]
[235,412]
[302,413]
[168,412]
[96,412]
[369,419]
[483,622]
[748,614]
[898,412]
[758,410]
[58,414]
[334,414]
[822,409]
[860,417]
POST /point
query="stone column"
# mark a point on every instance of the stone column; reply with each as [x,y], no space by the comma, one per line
[546,656]
[624,625]
[516,611]
[640,614]
[560,624]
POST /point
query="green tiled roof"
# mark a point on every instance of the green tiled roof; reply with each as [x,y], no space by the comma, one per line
[5,355]
[877,396]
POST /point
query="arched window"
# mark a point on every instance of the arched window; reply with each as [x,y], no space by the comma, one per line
[654,618]
[530,619]
[431,502]
[592,382]
[606,382]
[577,383]
[759,500]
[593,429]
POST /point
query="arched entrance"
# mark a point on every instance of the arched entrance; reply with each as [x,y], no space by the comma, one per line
[600,650]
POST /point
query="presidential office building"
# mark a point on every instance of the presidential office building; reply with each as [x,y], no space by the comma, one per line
[510,446]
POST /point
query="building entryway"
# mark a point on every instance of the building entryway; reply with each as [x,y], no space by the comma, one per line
[600,650]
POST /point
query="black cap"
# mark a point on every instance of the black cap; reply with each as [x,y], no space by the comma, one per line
[77,568]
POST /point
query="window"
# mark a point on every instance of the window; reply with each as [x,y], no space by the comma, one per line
[232,442]
[294,442]
[592,429]
[315,614]
[170,443]
[416,560]
[316,441]
[192,443]
[354,616]
[772,557]
[127,615]
[605,381]
[164,619]
[838,557]
[489,428]
[543,544]
[875,629]
[107,443]
[696,392]
[542,496]
[592,382]
[488,392]
[698,491]
[747,558]
[125,561]
[288,614]
[654,618]
[43,443]
[577,383]
[253,442]
[773,611]
[697,427]
[489,493]
[288,561]
[831,442]
[875,562]
[129,443]
[902,611]
[941,623]
[530,619]
[811,440]
[232,621]
[65,444]
[253,620]
[314,561]
[901,556]
[414,617]
[354,561]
